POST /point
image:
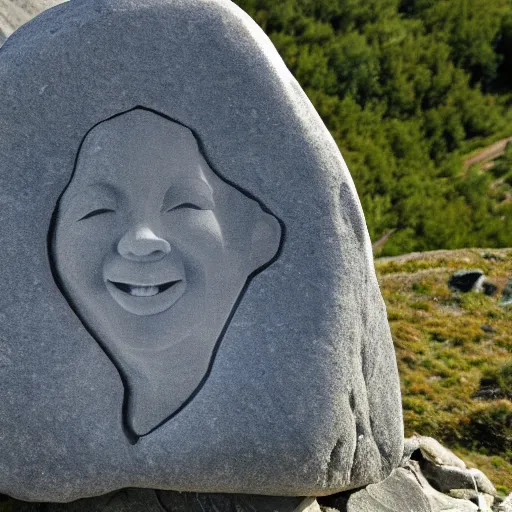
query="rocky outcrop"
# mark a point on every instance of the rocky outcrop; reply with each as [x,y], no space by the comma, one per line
[431,479]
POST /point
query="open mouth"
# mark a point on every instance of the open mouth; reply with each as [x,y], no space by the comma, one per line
[146,299]
[144,291]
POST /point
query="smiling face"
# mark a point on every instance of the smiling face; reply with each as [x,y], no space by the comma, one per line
[151,247]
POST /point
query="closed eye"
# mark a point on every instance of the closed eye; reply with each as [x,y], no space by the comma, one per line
[96,212]
[189,206]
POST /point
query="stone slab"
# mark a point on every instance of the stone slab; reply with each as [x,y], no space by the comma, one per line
[446,478]
[147,500]
[398,493]
[436,453]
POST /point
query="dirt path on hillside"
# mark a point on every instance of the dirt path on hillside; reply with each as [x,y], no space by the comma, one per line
[489,153]
[468,254]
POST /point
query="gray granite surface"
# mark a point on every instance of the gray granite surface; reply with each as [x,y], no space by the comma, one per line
[400,492]
[303,396]
[446,478]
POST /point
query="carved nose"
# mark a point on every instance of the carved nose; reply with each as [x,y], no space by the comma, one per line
[141,244]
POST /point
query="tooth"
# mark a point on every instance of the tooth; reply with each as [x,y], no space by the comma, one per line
[143,291]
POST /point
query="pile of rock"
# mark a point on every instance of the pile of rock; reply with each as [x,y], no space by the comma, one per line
[431,479]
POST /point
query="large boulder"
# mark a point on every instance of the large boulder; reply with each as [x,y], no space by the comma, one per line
[295,389]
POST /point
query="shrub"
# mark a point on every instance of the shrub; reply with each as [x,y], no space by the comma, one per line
[489,427]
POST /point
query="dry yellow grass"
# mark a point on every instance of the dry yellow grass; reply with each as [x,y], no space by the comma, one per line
[445,343]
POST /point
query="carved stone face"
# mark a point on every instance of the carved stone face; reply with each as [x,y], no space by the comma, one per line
[152,250]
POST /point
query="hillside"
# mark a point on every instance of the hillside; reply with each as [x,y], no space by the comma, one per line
[450,347]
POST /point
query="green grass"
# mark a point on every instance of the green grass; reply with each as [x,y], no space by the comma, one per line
[446,343]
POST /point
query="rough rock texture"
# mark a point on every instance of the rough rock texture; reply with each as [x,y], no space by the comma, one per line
[400,492]
[433,451]
[473,496]
[446,478]
[405,490]
[408,489]
[438,501]
[309,505]
[303,396]
[506,504]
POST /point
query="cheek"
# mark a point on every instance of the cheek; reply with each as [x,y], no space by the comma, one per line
[79,252]
[196,233]
[208,262]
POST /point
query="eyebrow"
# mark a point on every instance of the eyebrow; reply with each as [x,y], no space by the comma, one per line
[197,185]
